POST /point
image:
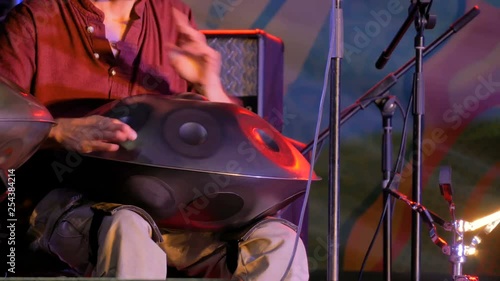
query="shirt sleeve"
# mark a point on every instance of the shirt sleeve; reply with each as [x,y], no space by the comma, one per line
[17,47]
[181,6]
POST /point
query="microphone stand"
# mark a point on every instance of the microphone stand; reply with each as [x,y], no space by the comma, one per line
[380,89]
[387,107]
[337,26]
[377,92]
[418,129]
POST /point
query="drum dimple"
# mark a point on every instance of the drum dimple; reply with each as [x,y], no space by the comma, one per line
[266,139]
[193,133]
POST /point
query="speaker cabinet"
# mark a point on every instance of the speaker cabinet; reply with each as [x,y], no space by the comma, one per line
[252,70]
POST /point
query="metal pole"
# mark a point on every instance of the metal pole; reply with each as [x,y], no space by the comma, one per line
[334,158]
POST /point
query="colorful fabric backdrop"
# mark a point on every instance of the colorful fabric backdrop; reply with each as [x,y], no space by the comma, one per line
[462,86]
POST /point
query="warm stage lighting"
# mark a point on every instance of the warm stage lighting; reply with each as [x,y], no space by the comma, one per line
[490,219]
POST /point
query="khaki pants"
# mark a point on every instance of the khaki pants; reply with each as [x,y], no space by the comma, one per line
[129,245]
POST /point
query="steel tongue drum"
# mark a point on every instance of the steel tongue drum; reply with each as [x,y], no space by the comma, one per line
[198,165]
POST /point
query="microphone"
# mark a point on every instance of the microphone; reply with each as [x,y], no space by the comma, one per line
[386,54]
[445,184]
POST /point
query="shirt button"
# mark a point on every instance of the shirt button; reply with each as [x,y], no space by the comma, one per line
[90,29]
[96,55]
[112,72]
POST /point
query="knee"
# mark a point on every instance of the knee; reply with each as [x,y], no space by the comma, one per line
[268,250]
[275,236]
[125,221]
[126,217]
[275,232]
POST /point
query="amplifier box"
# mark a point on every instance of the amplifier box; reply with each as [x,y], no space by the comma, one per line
[252,70]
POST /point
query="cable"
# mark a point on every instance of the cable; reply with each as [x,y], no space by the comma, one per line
[372,242]
[402,147]
[396,175]
[429,7]
[313,154]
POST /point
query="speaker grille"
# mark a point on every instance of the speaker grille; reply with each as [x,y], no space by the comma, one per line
[240,64]
[252,70]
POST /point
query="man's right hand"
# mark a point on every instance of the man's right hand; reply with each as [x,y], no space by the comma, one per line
[93,133]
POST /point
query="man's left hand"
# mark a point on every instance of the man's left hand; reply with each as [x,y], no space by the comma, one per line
[195,61]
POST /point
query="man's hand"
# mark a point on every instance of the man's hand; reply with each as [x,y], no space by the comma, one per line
[195,61]
[93,133]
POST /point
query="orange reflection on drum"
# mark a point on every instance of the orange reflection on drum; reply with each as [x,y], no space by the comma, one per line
[273,145]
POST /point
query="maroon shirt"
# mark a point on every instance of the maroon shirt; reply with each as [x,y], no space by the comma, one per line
[57,51]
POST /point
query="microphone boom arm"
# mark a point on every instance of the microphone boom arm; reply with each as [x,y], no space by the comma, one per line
[380,90]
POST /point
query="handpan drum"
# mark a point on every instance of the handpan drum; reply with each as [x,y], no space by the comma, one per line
[24,124]
[198,165]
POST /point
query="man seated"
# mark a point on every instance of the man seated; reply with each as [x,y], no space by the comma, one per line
[67,50]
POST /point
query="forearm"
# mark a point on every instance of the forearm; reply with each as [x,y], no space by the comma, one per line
[215,92]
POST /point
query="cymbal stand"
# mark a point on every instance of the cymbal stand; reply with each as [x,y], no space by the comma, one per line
[458,251]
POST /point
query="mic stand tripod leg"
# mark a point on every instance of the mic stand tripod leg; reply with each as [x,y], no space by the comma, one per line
[387,108]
